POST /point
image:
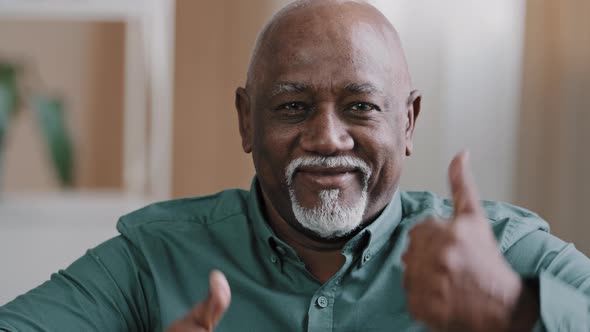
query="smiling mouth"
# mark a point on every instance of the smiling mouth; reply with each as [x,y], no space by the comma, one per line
[327,178]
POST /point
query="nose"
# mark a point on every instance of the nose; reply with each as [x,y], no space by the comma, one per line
[326,134]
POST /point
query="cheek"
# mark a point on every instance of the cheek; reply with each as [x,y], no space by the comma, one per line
[385,148]
[271,151]
[383,142]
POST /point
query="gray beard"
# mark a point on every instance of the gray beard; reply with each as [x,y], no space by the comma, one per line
[330,219]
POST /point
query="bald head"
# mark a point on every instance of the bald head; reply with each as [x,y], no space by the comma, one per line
[328,79]
[343,27]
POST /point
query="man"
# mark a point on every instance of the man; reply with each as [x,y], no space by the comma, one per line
[324,240]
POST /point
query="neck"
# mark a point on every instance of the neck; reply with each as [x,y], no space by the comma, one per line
[295,238]
[322,259]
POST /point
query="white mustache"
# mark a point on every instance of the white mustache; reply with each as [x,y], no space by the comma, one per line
[339,161]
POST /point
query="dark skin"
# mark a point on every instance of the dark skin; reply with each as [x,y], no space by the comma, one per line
[347,102]
[328,78]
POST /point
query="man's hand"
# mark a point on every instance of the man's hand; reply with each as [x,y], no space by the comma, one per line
[204,316]
[455,277]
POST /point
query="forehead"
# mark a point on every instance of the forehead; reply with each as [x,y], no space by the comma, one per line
[333,50]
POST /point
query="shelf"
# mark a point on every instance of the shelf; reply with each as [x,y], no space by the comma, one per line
[149,62]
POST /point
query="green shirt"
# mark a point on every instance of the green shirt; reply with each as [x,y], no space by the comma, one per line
[158,268]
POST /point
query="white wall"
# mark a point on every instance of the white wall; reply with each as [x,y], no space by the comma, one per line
[465,56]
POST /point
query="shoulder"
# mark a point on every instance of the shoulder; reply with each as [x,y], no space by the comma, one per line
[203,210]
[173,235]
[416,204]
[510,223]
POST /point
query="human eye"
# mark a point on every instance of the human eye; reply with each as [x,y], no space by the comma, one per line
[363,107]
[292,106]
[292,110]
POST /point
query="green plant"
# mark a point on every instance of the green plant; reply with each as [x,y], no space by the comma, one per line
[49,111]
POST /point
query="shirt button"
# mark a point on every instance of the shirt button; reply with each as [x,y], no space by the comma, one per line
[273,258]
[367,256]
[322,301]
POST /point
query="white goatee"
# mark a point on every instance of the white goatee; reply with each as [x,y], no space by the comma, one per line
[330,218]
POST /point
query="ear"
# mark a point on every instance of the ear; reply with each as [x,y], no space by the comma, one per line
[413,111]
[244,120]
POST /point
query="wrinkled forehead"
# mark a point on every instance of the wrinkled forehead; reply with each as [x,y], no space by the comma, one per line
[355,43]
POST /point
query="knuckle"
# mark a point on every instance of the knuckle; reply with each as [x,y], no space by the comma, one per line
[416,230]
[454,234]
[448,258]
[430,222]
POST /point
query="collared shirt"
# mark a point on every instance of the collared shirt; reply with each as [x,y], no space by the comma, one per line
[158,268]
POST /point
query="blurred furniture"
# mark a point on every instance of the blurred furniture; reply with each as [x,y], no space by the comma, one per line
[43,232]
[149,69]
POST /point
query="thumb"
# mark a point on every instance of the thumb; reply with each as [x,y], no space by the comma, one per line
[209,312]
[465,194]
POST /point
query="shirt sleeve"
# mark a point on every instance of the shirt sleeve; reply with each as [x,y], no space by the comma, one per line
[564,280]
[107,289]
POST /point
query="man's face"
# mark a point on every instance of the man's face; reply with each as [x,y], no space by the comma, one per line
[327,122]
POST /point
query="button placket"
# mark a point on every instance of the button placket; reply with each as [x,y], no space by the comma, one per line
[367,256]
[321,309]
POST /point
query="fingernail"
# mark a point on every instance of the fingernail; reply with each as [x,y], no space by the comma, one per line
[467,156]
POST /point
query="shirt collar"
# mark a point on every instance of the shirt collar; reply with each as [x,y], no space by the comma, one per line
[267,241]
[370,240]
[376,235]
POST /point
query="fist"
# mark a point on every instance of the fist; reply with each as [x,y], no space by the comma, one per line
[204,316]
[455,277]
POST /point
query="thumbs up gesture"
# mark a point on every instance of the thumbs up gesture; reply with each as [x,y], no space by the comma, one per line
[455,277]
[204,316]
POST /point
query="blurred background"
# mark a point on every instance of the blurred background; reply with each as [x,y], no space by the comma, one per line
[147,90]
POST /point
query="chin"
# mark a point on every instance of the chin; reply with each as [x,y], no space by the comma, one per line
[330,219]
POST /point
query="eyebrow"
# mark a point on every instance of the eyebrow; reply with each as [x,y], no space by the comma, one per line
[362,88]
[298,87]
[288,87]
